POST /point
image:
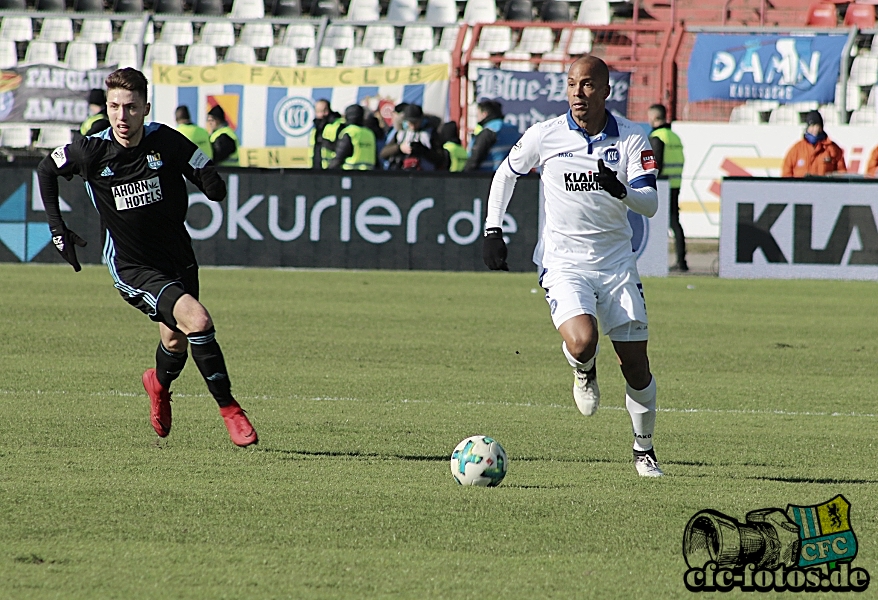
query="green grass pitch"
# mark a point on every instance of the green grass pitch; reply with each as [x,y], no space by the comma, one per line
[361,383]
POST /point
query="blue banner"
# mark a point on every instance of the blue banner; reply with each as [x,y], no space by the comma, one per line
[765,67]
[529,98]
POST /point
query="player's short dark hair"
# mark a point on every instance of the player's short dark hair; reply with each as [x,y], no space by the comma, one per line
[660,111]
[127,79]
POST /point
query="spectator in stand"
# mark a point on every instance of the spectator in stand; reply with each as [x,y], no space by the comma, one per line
[323,135]
[195,134]
[396,125]
[872,165]
[97,119]
[449,137]
[815,154]
[223,139]
[416,147]
[355,150]
[492,138]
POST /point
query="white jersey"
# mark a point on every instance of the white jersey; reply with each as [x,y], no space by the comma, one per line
[585,227]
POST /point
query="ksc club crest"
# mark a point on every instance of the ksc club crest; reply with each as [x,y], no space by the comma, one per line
[294,115]
[825,532]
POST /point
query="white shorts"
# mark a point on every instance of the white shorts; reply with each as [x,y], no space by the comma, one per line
[614,297]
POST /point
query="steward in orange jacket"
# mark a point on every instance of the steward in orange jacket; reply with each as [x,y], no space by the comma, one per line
[815,154]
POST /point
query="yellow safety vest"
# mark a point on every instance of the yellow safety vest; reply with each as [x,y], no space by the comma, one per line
[363,140]
[458,156]
[198,136]
[672,166]
[86,125]
[330,134]
[232,160]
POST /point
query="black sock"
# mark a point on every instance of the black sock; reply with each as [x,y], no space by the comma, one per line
[168,365]
[209,358]
[650,452]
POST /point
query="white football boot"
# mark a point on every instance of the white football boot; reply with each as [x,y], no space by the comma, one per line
[647,465]
[585,390]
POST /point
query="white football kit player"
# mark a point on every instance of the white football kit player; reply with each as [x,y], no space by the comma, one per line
[588,265]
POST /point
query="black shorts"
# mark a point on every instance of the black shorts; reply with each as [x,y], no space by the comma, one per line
[153,292]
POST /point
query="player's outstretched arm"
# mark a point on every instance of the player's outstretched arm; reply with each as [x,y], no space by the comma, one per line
[64,239]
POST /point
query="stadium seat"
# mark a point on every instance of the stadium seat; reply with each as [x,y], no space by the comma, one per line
[364,10]
[403,11]
[785,114]
[398,57]
[53,136]
[854,96]
[168,7]
[8,54]
[178,33]
[555,11]
[281,56]
[536,40]
[286,8]
[441,12]
[299,35]
[860,15]
[449,38]
[338,37]
[159,53]
[480,11]
[864,116]
[41,52]
[51,5]
[822,14]
[56,29]
[830,114]
[864,70]
[379,37]
[518,10]
[417,38]
[219,34]
[133,32]
[121,54]
[553,67]
[516,61]
[96,31]
[326,58]
[359,57]
[15,136]
[16,29]
[88,6]
[495,39]
[128,6]
[325,8]
[13,5]
[200,55]
[248,9]
[594,12]
[479,60]
[745,114]
[257,35]
[82,56]
[436,56]
[240,53]
[580,41]
[208,7]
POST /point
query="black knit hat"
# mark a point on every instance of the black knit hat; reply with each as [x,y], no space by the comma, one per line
[217,113]
[97,97]
[814,118]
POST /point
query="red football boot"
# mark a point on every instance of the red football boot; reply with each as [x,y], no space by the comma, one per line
[240,429]
[160,399]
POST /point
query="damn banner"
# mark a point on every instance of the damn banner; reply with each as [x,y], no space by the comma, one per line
[272,108]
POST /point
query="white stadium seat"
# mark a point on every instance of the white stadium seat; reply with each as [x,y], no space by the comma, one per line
[122,54]
[54,136]
[364,10]
[516,61]
[480,11]
[15,136]
[326,58]
[17,29]
[257,35]
[248,9]
[436,56]
[379,37]
[359,57]
[56,29]
[96,31]
[495,39]
[159,53]
[200,55]
[536,40]
[479,60]
[580,41]
[281,56]
[449,37]
[745,114]
[864,70]
[441,12]
[398,57]
[594,12]
[8,54]
[785,114]
[82,56]
[299,35]
[553,67]
[41,52]
[240,53]
[178,33]
[864,116]
[339,37]
[133,32]
[417,38]
[403,11]
[219,34]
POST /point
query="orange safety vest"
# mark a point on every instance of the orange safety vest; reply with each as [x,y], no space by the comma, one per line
[822,158]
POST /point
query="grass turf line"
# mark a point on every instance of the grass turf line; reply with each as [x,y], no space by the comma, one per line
[360,384]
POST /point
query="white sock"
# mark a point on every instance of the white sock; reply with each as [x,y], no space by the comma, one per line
[575,363]
[641,407]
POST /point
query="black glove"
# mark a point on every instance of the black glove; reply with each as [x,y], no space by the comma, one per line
[494,249]
[65,242]
[609,182]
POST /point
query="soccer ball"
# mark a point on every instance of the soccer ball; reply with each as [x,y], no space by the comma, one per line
[479,460]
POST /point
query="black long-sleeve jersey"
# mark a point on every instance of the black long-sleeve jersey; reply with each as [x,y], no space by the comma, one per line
[139,192]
